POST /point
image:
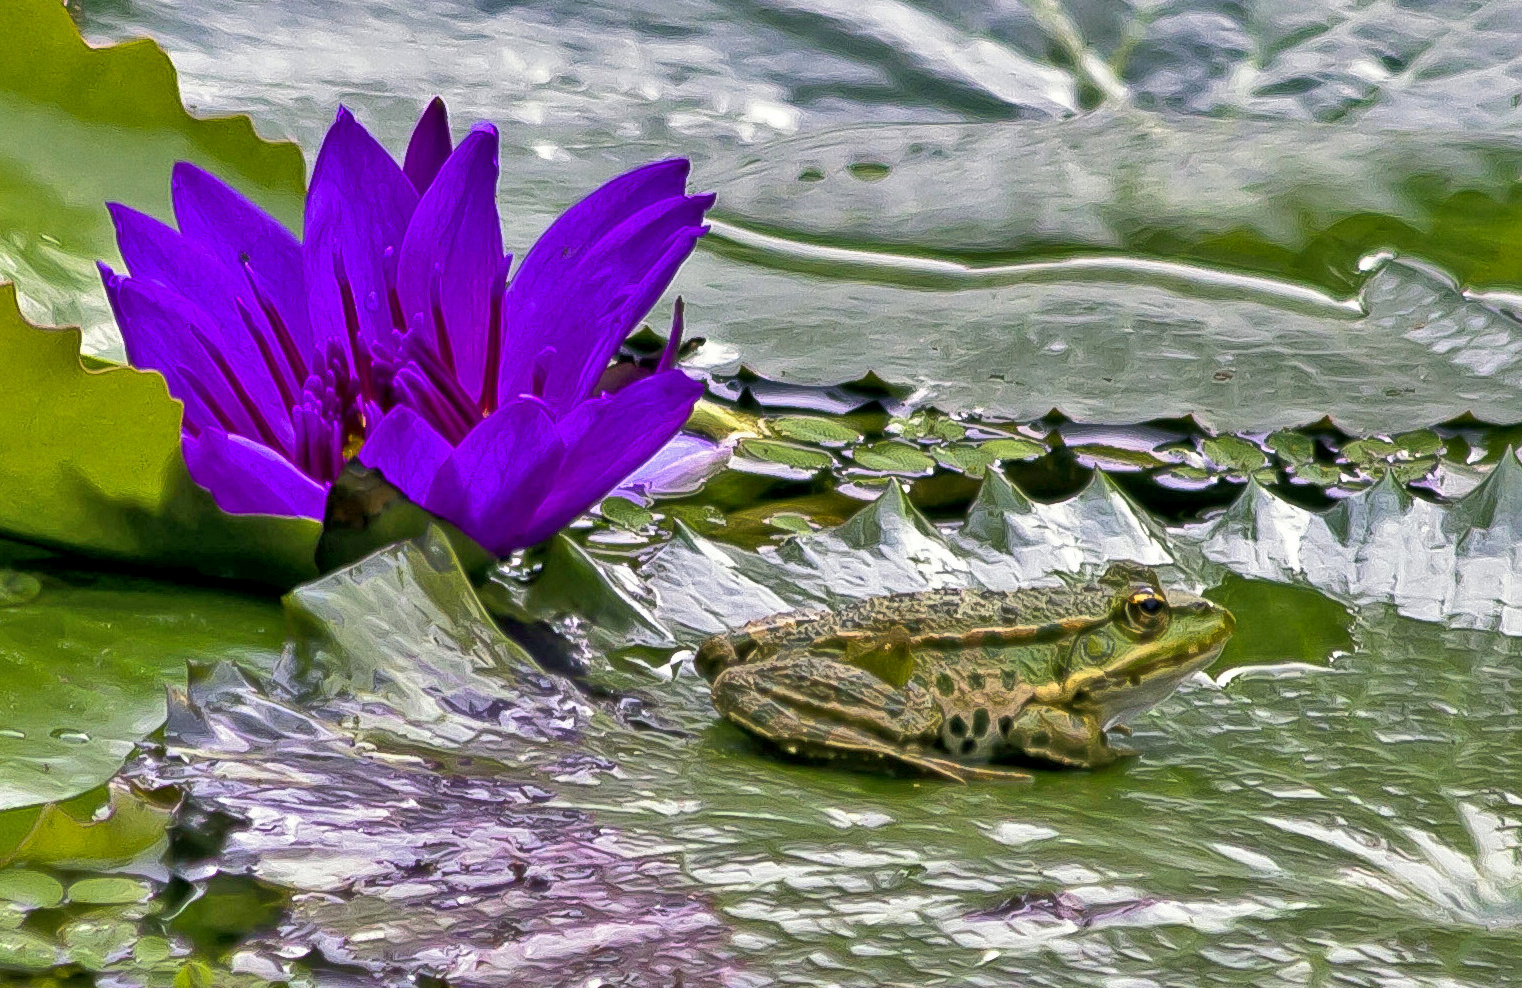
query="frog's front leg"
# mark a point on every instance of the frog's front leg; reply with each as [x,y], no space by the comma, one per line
[1061,736]
[817,707]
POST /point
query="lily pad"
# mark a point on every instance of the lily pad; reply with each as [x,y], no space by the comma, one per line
[85,125]
[109,891]
[1457,563]
[786,454]
[1280,197]
[90,462]
[84,669]
[30,889]
[814,429]
[894,457]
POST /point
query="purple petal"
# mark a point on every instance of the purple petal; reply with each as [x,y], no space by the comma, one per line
[247,478]
[548,273]
[407,451]
[607,438]
[613,287]
[150,347]
[211,212]
[164,332]
[429,147]
[630,305]
[451,255]
[493,483]
[578,228]
[191,282]
[358,206]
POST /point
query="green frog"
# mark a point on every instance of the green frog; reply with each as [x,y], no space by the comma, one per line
[955,682]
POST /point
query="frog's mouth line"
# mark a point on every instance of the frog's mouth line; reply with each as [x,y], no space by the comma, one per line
[1155,657]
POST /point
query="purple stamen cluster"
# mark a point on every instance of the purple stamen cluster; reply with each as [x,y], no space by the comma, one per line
[398,331]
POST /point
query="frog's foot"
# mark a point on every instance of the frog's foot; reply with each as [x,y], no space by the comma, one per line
[1061,736]
[960,772]
[819,708]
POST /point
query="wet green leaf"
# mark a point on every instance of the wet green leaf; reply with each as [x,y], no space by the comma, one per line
[103,828]
[90,461]
[109,891]
[973,459]
[1234,453]
[1422,442]
[787,454]
[928,424]
[790,521]
[1366,452]
[1319,474]
[1295,447]
[86,125]
[83,668]
[894,457]
[625,514]
[30,889]
[21,951]
[814,429]
[1321,627]
[98,938]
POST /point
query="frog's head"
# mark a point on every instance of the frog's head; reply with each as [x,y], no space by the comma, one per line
[1146,643]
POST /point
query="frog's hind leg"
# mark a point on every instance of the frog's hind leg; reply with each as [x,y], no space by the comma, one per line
[818,707]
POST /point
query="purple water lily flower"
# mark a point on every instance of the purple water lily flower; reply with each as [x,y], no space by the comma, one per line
[393,330]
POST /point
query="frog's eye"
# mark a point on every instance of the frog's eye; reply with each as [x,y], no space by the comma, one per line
[1147,612]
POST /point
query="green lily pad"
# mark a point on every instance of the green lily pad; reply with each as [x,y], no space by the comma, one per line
[928,424]
[625,514]
[1368,451]
[23,952]
[109,891]
[1234,453]
[1422,442]
[894,457]
[815,429]
[973,459]
[787,454]
[83,669]
[1293,447]
[85,125]
[90,462]
[98,938]
[30,889]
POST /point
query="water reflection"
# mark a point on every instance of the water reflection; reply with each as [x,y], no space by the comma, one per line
[1479,885]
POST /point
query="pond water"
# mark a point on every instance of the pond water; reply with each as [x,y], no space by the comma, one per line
[1130,213]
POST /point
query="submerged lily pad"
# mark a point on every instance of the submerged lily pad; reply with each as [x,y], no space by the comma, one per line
[1281,197]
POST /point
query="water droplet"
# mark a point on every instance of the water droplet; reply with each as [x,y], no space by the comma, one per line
[17,588]
[12,733]
[869,171]
[69,736]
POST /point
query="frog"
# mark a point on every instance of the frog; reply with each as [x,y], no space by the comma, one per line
[966,683]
